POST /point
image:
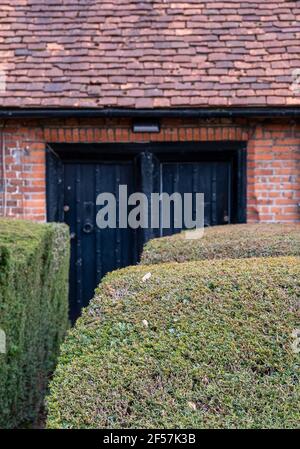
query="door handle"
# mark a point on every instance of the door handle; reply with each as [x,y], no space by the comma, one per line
[88,227]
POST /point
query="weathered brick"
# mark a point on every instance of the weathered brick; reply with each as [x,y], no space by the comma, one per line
[273,159]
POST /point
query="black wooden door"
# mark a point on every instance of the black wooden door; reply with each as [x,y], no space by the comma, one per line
[213,179]
[75,177]
[94,251]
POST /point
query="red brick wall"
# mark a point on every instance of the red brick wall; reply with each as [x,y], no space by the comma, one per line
[274,173]
[273,159]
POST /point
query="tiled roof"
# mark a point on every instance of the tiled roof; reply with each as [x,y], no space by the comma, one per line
[151,53]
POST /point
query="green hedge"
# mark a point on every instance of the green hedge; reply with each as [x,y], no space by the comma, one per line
[230,241]
[34,263]
[196,345]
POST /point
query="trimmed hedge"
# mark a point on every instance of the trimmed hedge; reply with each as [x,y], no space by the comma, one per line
[196,345]
[230,241]
[34,264]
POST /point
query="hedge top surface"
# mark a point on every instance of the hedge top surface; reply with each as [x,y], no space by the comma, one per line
[229,241]
[194,345]
[22,237]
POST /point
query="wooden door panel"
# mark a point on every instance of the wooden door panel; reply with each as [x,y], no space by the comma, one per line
[210,178]
[94,251]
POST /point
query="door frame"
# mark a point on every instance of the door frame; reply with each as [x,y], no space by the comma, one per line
[234,151]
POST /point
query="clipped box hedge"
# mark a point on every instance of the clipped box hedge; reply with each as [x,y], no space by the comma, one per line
[196,345]
[34,263]
[230,241]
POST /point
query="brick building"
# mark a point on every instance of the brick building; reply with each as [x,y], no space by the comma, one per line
[219,82]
